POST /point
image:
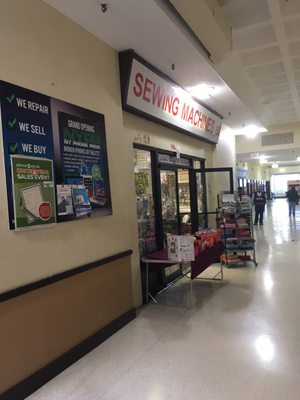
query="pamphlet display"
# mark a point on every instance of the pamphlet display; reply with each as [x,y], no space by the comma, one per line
[72,138]
[33,192]
[180,248]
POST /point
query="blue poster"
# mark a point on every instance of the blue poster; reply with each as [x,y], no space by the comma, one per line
[26,128]
[83,156]
[72,137]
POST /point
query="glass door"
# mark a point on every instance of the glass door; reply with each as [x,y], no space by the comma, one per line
[144,202]
[169,202]
[184,195]
[209,182]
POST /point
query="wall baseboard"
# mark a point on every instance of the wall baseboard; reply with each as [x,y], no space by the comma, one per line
[44,375]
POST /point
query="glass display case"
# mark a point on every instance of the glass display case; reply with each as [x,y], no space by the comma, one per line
[144,202]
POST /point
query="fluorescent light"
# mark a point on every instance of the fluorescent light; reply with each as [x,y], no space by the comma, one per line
[203,91]
[250,131]
[275,165]
[281,169]
[298,158]
[250,134]
[263,159]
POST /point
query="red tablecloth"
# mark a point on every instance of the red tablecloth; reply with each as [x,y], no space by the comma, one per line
[202,260]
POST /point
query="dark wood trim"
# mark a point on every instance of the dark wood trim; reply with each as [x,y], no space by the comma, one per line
[58,277]
[29,385]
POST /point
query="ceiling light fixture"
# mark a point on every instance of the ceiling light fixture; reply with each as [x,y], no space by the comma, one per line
[298,158]
[275,165]
[203,91]
[251,131]
[263,159]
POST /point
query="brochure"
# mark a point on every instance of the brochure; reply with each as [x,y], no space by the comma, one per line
[64,200]
[81,201]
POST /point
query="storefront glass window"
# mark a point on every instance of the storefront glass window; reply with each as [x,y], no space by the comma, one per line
[169,202]
[184,201]
[144,202]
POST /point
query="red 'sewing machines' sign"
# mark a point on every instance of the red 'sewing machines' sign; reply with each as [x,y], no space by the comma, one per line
[149,93]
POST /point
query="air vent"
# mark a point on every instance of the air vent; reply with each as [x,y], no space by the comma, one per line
[277,139]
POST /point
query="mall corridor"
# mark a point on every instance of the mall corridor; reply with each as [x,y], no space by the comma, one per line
[240,340]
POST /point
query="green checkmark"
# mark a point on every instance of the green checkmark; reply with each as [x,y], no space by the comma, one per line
[12,123]
[13,147]
[11,98]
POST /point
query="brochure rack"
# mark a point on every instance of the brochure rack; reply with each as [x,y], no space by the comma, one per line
[235,221]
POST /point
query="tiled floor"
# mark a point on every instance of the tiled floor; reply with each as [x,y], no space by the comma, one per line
[240,341]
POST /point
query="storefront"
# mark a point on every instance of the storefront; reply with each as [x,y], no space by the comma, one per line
[171,198]
[174,195]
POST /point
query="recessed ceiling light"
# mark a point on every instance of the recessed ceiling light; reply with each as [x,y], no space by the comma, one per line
[250,131]
[275,165]
[298,159]
[203,91]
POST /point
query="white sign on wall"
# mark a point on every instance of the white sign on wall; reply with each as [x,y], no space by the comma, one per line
[163,100]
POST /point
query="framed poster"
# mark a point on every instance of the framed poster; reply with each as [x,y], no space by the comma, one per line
[71,137]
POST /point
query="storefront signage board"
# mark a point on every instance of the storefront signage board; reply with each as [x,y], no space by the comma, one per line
[149,93]
[72,138]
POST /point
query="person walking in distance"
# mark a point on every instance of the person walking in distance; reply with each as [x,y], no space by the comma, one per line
[259,201]
[293,199]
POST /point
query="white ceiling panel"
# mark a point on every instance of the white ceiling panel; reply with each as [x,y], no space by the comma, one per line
[274,98]
[292,28]
[275,89]
[263,55]
[289,7]
[297,75]
[253,37]
[266,69]
[294,49]
[295,64]
[245,12]
[271,80]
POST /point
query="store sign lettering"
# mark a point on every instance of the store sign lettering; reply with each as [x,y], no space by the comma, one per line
[167,102]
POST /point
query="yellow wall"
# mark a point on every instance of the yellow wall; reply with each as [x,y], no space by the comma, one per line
[44,51]
[248,145]
[255,171]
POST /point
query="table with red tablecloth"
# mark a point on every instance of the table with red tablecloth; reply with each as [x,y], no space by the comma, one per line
[159,260]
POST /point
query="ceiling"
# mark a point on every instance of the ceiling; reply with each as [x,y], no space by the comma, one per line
[282,157]
[266,38]
[254,48]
